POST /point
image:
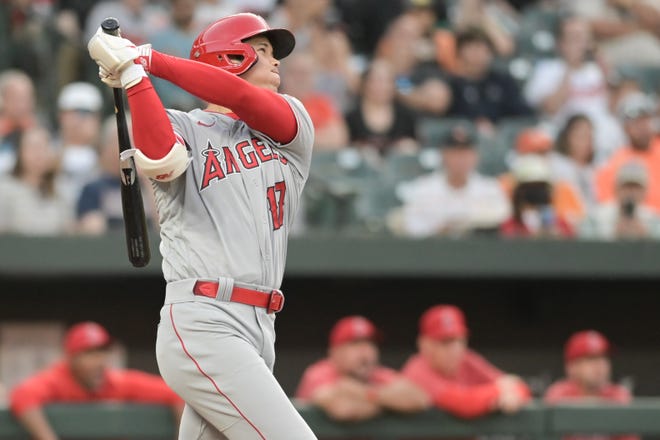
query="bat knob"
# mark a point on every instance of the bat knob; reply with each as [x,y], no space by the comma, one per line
[110,26]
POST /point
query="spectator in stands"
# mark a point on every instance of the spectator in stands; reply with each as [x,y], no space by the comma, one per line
[337,74]
[419,81]
[330,130]
[625,217]
[534,215]
[614,137]
[99,207]
[574,158]
[637,112]
[573,83]
[28,43]
[31,202]
[17,113]
[367,21]
[138,18]
[79,119]
[626,30]
[350,385]
[85,376]
[303,17]
[588,376]
[495,18]
[566,200]
[455,378]
[207,11]
[176,39]
[478,92]
[378,120]
[457,201]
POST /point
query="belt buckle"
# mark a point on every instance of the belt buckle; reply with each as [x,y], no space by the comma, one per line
[275,302]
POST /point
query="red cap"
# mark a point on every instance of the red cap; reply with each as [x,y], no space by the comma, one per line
[586,343]
[352,328]
[533,140]
[443,322]
[85,336]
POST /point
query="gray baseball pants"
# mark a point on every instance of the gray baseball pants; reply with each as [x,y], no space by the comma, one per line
[219,356]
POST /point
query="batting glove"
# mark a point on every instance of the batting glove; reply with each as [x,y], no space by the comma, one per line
[112,53]
[114,79]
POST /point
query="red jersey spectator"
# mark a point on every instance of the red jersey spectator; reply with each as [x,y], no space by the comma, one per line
[588,376]
[455,378]
[84,376]
[350,384]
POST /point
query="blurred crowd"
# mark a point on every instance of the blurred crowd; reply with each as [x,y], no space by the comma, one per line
[519,118]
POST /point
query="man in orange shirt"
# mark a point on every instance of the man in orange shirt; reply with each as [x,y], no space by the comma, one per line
[455,378]
[588,376]
[84,376]
[636,112]
[350,384]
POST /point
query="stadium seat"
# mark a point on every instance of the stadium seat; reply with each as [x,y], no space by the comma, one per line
[337,180]
[400,167]
[647,76]
[494,151]
[430,131]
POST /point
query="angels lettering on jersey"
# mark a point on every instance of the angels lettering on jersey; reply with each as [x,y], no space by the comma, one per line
[220,162]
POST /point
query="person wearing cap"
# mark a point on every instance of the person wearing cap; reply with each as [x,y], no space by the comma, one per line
[455,378]
[588,376]
[537,142]
[84,376]
[534,212]
[637,113]
[625,217]
[457,201]
[79,122]
[350,384]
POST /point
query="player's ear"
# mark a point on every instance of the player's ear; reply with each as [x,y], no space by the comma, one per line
[235,59]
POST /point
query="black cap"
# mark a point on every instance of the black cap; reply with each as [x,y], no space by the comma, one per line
[459,136]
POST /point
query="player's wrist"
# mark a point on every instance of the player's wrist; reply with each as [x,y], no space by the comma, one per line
[132,75]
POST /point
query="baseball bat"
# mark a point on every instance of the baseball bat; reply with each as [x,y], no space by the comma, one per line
[135,223]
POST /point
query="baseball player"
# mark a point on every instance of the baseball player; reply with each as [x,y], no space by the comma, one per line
[227,182]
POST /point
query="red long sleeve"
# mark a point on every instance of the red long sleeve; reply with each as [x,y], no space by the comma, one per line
[261,109]
[152,130]
[466,401]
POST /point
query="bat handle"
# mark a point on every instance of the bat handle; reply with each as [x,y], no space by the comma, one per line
[110,26]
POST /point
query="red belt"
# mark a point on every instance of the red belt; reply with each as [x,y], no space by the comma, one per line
[273,301]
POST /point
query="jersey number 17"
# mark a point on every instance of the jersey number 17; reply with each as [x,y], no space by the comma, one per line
[275,195]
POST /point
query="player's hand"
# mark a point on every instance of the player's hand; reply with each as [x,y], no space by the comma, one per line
[112,53]
[110,79]
[114,79]
[513,394]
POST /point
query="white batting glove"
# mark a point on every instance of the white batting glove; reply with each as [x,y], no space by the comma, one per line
[134,76]
[109,79]
[129,77]
[112,53]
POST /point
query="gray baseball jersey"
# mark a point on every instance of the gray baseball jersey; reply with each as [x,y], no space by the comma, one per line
[230,213]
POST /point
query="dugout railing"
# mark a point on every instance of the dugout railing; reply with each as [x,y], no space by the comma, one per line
[536,421]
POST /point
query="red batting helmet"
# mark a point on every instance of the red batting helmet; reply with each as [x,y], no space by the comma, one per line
[226,37]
